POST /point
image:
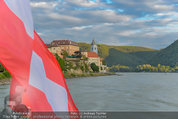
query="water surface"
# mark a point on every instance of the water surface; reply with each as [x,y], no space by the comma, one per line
[129,92]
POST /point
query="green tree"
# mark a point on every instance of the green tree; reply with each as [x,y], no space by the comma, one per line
[61,62]
[1,68]
[94,67]
[82,67]
[86,68]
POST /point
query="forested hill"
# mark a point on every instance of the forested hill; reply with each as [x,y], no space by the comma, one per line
[167,56]
[103,49]
[132,59]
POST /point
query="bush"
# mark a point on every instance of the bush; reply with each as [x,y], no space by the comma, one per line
[91,74]
[73,75]
[86,68]
[6,74]
[94,67]
[82,68]
[2,76]
[61,62]
[1,68]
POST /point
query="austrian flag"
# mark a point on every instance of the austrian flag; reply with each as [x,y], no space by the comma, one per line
[37,77]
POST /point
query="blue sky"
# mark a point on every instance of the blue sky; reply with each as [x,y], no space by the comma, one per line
[148,23]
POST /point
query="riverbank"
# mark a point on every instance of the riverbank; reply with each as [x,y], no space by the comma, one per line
[5,78]
[72,75]
[6,81]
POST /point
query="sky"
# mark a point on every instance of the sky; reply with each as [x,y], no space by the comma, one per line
[147,23]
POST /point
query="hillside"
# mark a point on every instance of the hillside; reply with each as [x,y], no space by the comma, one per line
[126,59]
[167,56]
[103,49]
[146,56]
[131,59]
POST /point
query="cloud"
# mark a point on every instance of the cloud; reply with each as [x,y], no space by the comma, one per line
[150,23]
[110,15]
[57,16]
[163,7]
[44,4]
[84,3]
[129,32]
[81,27]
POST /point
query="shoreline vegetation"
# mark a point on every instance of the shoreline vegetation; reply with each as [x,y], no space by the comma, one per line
[5,80]
[5,77]
[77,75]
[144,68]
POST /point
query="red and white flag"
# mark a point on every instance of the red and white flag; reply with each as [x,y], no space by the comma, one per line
[37,76]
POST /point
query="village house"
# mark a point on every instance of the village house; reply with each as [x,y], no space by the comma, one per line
[92,57]
[58,46]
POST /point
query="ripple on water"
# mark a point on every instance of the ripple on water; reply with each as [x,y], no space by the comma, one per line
[130,92]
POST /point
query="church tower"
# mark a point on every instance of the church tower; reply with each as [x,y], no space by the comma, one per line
[94,47]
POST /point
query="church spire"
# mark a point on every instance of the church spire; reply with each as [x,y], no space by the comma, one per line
[93,42]
[94,47]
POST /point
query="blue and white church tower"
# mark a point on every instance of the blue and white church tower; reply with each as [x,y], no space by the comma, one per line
[94,47]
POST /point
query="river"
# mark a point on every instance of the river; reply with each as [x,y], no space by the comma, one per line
[128,92]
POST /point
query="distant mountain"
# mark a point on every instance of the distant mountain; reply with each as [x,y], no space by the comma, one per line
[167,56]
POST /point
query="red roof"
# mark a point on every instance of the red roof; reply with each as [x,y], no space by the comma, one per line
[92,54]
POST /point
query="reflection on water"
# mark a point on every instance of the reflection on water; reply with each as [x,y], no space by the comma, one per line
[129,92]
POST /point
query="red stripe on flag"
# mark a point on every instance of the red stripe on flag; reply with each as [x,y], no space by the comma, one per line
[36,100]
[15,44]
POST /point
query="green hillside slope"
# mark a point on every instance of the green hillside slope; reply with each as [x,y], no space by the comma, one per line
[117,57]
[146,56]
[167,56]
[131,59]
[103,49]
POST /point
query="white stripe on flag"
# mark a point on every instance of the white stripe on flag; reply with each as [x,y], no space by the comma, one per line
[22,9]
[56,94]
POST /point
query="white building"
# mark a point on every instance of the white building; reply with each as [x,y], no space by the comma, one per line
[94,47]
